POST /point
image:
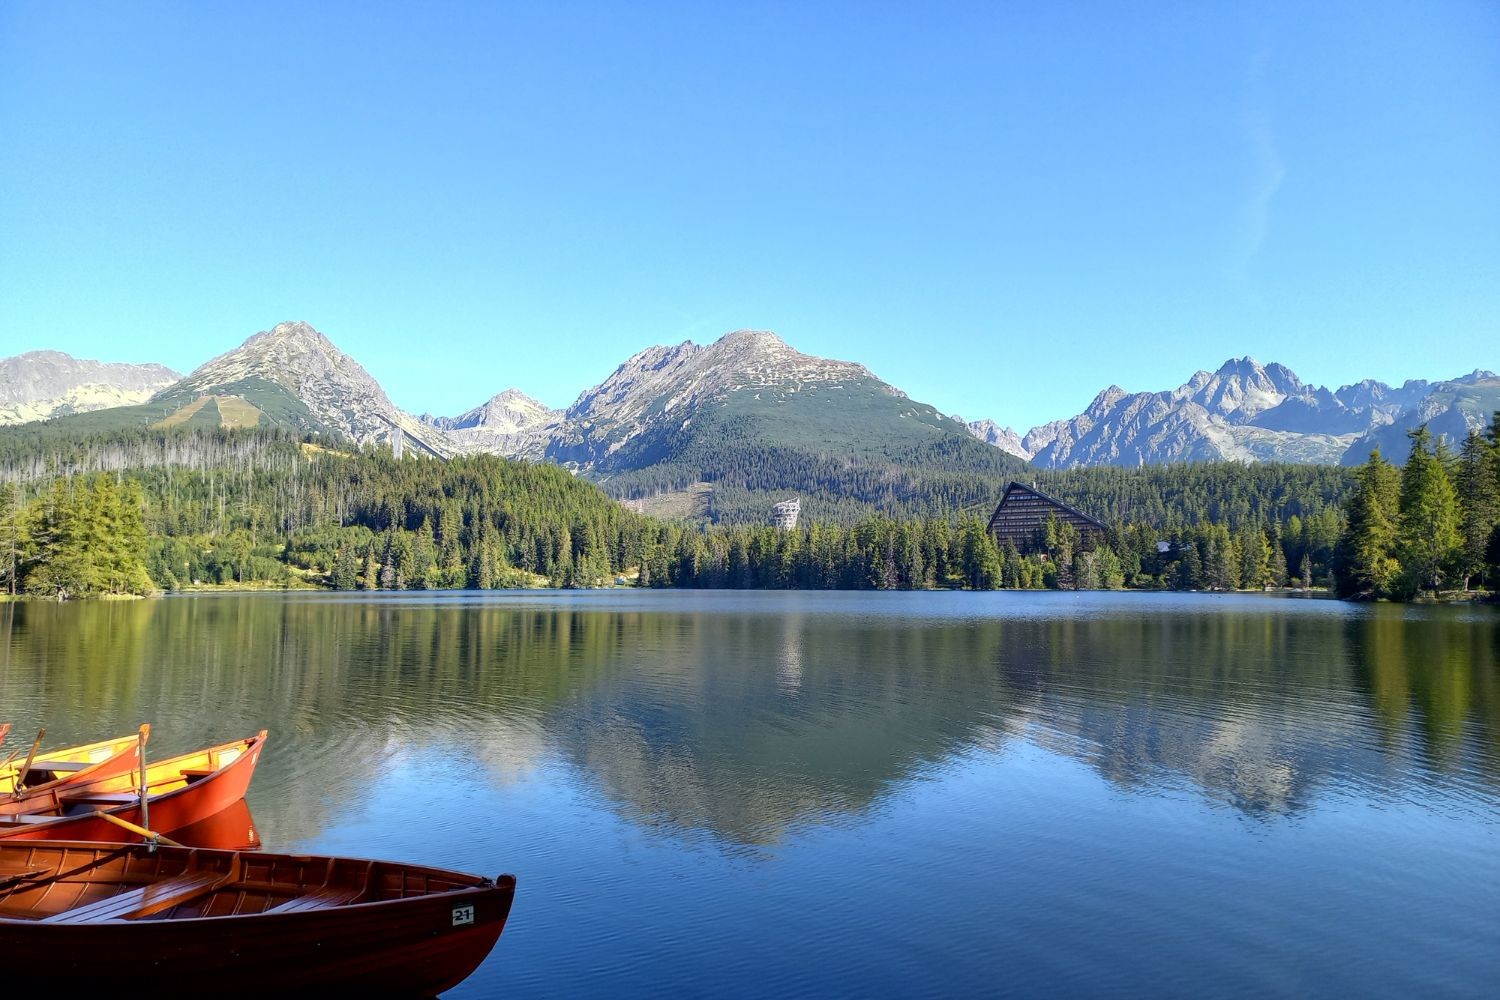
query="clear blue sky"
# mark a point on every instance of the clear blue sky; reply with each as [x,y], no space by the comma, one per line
[1001,208]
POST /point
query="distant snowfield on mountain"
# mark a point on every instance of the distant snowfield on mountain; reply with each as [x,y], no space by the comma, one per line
[749,389]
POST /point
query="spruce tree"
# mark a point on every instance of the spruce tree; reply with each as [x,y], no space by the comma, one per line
[10,539]
[1366,558]
[1428,539]
[345,569]
[1479,503]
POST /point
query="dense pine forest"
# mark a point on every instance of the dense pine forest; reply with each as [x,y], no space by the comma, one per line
[130,512]
[1431,525]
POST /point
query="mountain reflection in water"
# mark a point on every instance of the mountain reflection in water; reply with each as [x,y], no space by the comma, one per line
[754,725]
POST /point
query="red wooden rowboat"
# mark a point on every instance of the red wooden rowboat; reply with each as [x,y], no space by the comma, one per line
[195,922]
[180,791]
[71,766]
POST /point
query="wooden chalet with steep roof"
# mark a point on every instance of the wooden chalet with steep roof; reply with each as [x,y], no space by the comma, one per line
[1021,518]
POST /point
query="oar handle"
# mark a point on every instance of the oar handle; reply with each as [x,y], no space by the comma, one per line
[140,746]
[140,831]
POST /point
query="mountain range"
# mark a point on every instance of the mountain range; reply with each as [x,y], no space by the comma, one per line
[750,410]
[1247,411]
[42,384]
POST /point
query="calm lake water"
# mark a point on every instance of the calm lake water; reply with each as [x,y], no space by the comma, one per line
[736,794]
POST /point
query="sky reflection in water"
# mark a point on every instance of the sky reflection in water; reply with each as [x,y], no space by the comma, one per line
[818,794]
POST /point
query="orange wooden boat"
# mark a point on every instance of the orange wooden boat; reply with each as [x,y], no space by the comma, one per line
[196,922]
[180,791]
[4,728]
[70,766]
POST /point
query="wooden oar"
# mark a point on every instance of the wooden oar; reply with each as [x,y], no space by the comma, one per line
[19,785]
[4,728]
[151,837]
[140,745]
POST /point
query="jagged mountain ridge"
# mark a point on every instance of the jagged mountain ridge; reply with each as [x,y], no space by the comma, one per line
[662,390]
[41,384]
[1247,411]
[752,389]
[749,414]
[1449,409]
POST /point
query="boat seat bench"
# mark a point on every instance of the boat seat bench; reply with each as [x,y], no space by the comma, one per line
[318,899]
[102,799]
[58,766]
[143,901]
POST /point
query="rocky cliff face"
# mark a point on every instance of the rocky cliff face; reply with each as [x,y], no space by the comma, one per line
[41,384]
[1004,438]
[294,375]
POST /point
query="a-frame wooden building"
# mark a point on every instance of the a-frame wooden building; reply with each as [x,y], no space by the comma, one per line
[1022,515]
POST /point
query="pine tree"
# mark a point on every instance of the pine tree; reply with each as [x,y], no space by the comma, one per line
[980,557]
[1479,503]
[1255,559]
[10,538]
[1428,539]
[345,569]
[370,577]
[1367,564]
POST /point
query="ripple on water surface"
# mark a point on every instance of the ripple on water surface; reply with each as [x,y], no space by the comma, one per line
[857,794]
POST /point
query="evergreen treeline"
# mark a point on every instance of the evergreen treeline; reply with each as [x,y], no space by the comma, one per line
[1433,524]
[77,537]
[880,553]
[130,511]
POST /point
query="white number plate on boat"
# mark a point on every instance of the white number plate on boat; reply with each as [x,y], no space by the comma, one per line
[463,915]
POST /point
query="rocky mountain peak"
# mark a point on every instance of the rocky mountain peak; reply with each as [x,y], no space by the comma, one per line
[752,340]
[503,413]
[1105,401]
[1246,367]
[295,344]
[337,392]
[513,396]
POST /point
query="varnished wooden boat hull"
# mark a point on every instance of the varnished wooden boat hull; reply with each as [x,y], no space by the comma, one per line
[169,811]
[416,946]
[415,954]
